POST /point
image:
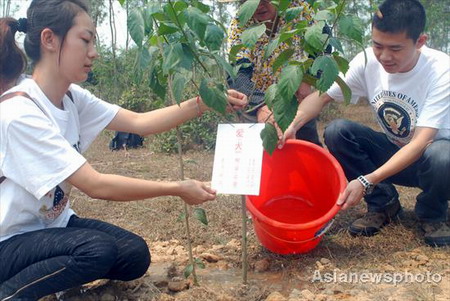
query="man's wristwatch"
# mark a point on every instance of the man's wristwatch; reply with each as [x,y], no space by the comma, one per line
[368,187]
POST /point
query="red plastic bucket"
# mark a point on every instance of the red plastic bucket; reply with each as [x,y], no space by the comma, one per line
[300,185]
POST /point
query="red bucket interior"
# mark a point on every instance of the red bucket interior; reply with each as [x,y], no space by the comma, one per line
[300,185]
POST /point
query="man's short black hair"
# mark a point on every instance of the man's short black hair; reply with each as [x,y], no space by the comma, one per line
[395,16]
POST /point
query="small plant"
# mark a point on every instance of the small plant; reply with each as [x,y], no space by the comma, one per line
[179,45]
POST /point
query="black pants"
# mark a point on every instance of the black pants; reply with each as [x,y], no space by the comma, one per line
[43,262]
[309,133]
[361,150]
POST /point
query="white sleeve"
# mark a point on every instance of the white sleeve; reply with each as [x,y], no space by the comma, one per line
[354,78]
[34,154]
[94,115]
[436,110]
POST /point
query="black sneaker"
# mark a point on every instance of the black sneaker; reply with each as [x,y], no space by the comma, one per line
[437,234]
[371,223]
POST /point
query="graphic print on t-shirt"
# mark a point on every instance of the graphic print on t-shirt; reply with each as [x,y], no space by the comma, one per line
[397,114]
[55,201]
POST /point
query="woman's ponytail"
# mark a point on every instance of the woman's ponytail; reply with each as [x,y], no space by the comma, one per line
[12,59]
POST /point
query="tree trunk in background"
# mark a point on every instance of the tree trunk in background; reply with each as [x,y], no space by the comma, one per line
[6,7]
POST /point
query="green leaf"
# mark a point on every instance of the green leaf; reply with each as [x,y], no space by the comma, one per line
[178,84]
[136,26]
[342,63]
[188,270]
[336,44]
[203,7]
[284,111]
[196,20]
[180,6]
[270,95]
[226,66]
[157,86]
[187,58]
[172,56]
[170,12]
[314,36]
[234,51]
[251,35]
[199,263]
[283,5]
[214,37]
[346,91]
[121,2]
[329,71]
[287,35]
[271,47]
[351,27]
[246,11]
[282,59]
[269,137]
[290,79]
[167,28]
[143,59]
[292,13]
[213,97]
[324,15]
[200,215]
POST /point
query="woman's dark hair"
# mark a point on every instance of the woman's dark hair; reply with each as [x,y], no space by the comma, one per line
[57,15]
[395,16]
[12,59]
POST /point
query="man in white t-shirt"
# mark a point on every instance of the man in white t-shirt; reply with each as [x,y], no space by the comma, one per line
[408,86]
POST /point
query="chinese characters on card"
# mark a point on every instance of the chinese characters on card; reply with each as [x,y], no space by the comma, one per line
[238,159]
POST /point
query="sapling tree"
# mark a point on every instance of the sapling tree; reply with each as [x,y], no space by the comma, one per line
[179,43]
[318,68]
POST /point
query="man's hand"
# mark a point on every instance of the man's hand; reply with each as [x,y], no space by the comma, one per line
[288,134]
[352,195]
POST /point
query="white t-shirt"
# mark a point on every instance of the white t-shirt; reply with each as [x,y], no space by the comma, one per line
[403,101]
[40,148]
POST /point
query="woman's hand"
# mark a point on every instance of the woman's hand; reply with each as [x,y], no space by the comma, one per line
[237,100]
[194,192]
[352,195]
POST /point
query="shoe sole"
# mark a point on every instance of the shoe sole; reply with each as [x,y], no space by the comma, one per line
[371,231]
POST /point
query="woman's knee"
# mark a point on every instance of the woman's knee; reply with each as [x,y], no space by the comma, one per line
[97,254]
[137,255]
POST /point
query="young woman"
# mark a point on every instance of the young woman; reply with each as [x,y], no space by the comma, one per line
[44,246]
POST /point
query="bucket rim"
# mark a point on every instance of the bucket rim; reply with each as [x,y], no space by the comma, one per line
[315,223]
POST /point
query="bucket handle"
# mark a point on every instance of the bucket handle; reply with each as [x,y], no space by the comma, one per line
[318,234]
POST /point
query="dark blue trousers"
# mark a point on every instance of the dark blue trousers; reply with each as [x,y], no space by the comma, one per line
[43,262]
[360,150]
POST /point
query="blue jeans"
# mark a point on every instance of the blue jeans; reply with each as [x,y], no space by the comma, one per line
[39,263]
[360,150]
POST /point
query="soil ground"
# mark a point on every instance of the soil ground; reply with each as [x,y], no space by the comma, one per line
[341,267]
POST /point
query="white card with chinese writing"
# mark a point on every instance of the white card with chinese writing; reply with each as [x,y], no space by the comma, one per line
[238,159]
